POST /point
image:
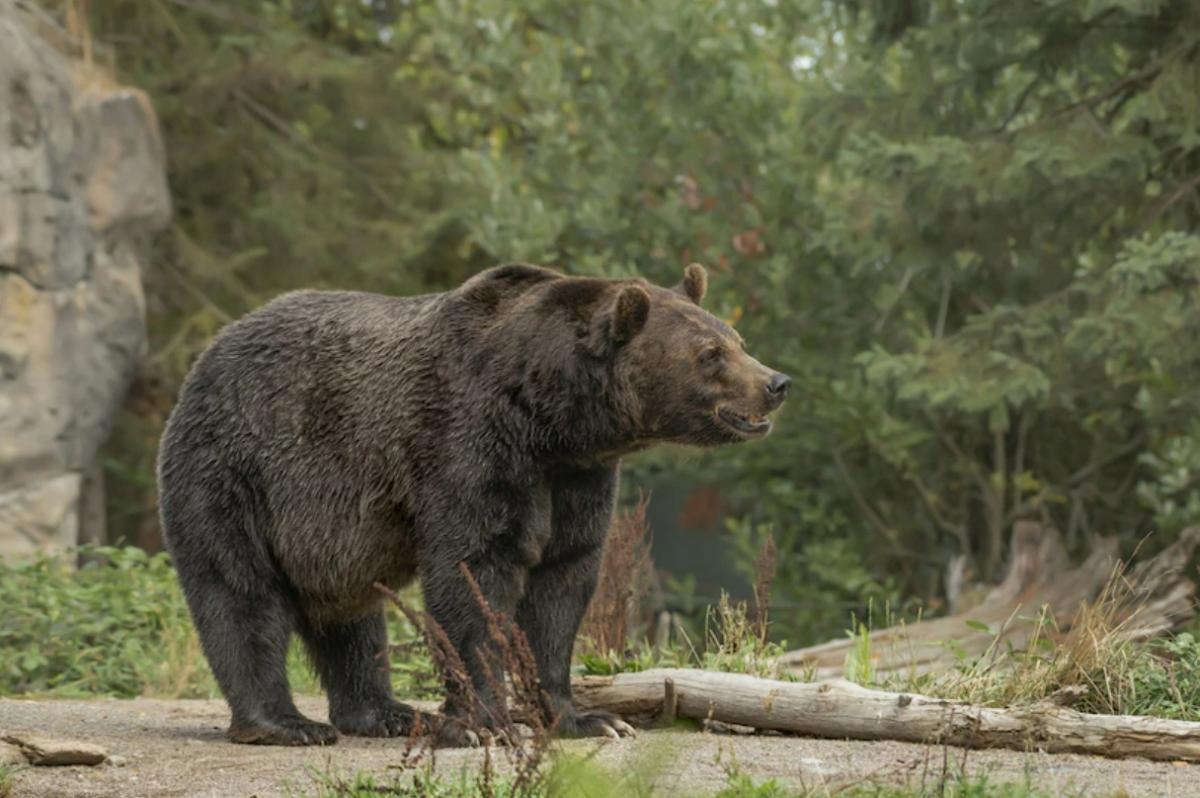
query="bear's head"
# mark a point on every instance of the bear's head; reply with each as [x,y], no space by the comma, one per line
[694,381]
[615,365]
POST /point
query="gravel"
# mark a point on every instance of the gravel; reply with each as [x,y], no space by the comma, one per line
[178,748]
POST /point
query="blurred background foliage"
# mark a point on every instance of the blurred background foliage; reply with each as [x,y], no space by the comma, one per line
[967,228]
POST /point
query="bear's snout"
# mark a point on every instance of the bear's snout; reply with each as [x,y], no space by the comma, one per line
[777,387]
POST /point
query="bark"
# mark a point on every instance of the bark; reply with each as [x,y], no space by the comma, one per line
[843,710]
[1154,597]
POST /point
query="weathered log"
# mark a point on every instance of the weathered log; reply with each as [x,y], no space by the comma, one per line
[1154,597]
[843,710]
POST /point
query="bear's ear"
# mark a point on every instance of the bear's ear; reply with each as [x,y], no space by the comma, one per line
[629,316]
[695,283]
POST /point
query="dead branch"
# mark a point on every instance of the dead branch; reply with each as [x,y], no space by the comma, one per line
[843,710]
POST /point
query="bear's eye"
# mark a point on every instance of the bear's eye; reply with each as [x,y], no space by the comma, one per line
[710,354]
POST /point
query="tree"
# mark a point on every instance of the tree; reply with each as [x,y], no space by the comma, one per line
[1023,179]
[967,228]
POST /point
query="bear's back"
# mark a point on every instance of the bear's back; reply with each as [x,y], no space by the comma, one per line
[300,368]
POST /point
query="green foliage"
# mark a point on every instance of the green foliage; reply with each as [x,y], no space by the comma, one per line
[967,230]
[119,626]
[742,786]
[576,777]
[945,784]
[1003,179]
[860,667]
[836,578]
[641,659]
[1165,682]
[565,776]
[1160,678]
[731,644]
[980,786]
[419,783]
[7,772]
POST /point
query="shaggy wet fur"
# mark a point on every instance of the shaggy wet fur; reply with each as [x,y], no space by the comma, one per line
[331,440]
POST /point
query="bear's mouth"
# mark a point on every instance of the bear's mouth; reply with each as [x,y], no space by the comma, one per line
[751,425]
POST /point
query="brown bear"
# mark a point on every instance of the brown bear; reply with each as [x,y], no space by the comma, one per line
[332,440]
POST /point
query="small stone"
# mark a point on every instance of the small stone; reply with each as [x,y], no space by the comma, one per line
[44,751]
[116,760]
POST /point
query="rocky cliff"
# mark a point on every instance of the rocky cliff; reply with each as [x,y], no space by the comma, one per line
[82,189]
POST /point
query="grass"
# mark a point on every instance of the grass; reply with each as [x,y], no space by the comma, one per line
[578,777]
[732,643]
[1119,676]
[418,784]
[735,637]
[119,626]
[6,779]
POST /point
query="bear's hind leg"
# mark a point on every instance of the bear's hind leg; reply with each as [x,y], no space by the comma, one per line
[245,638]
[351,659]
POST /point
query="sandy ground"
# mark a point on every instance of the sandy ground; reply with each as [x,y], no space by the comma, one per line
[177,748]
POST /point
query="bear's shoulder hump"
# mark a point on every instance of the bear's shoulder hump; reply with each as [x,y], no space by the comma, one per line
[501,283]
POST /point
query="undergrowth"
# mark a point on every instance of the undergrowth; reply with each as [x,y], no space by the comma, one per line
[6,779]
[735,637]
[118,626]
[1093,659]
[565,775]
[574,776]
[732,643]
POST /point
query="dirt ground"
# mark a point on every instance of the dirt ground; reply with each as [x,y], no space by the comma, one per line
[177,748]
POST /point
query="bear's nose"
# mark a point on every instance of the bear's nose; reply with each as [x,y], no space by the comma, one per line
[779,384]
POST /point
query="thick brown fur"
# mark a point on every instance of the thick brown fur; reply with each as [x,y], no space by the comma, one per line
[331,440]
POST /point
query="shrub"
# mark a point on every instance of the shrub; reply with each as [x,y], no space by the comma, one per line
[116,626]
[119,626]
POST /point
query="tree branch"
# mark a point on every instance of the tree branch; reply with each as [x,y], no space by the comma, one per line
[1018,105]
[1187,187]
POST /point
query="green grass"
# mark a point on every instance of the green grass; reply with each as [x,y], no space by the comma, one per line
[418,784]
[1158,678]
[6,779]
[971,787]
[731,644]
[576,777]
[119,626]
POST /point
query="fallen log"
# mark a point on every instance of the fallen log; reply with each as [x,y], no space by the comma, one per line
[843,710]
[1154,597]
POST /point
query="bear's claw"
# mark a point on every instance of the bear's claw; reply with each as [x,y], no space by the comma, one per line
[297,730]
[596,723]
[455,734]
[624,729]
[391,719]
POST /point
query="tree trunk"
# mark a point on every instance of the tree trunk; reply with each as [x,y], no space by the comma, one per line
[844,710]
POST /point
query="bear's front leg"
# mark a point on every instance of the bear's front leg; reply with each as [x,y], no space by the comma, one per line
[477,700]
[559,590]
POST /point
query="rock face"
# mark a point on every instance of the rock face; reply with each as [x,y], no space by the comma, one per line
[82,189]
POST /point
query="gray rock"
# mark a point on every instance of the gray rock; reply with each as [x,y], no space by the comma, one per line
[82,191]
[44,751]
